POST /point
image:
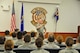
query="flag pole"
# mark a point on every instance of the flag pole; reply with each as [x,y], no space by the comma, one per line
[55,27]
[56,16]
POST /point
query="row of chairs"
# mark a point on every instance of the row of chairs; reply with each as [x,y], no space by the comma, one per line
[22,50]
[61,46]
[18,50]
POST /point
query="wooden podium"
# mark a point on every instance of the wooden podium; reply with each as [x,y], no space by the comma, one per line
[78,30]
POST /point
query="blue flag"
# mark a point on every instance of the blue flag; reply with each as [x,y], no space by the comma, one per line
[22,19]
[56,15]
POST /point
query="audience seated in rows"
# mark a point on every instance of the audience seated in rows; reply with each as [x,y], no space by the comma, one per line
[9,45]
[16,30]
[14,37]
[33,37]
[69,42]
[51,44]
[59,40]
[7,35]
[20,39]
[27,43]
[24,33]
[52,34]
[39,43]
[77,45]
[2,40]
[42,36]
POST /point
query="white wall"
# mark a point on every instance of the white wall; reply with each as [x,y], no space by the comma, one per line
[69,13]
[4,15]
[69,16]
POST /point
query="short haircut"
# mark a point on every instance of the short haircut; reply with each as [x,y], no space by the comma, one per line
[27,38]
[9,45]
[41,35]
[59,39]
[13,34]
[16,30]
[7,32]
[69,41]
[24,32]
[78,39]
[19,35]
[51,38]
[33,34]
[39,42]
[2,39]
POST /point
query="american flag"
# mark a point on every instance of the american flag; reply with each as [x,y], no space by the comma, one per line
[13,20]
